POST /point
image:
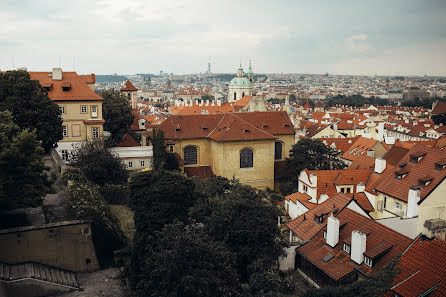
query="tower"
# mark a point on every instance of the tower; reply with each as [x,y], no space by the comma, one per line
[240,85]
[209,66]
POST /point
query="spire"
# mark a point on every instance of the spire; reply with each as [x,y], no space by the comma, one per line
[240,72]
[250,74]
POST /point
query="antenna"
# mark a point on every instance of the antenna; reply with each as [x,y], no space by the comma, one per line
[59,61]
[74,63]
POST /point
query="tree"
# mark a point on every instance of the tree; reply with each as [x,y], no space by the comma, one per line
[86,203]
[439,119]
[307,153]
[31,107]
[207,97]
[185,261]
[117,114]
[23,182]
[99,164]
[159,150]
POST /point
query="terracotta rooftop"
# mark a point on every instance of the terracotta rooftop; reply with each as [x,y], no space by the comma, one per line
[342,144]
[439,108]
[416,170]
[128,86]
[78,89]
[394,155]
[381,240]
[127,141]
[302,198]
[360,147]
[423,268]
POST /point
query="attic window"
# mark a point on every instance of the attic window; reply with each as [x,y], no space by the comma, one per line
[415,158]
[265,126]
[346,248]
[402,165]
[47,86]
[424,181]
[287,125]
[400,174]
[177,129]
[66,87]
[247,131]
[440,164]
[368,261]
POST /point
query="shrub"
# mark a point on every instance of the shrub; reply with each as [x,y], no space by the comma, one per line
[115,194]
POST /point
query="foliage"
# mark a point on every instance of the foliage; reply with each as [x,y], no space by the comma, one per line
[376,285]
[115,194]
[424,102]
[307,153]
[99,164]
[276,101]
[23,182]
[159,150]
[171,162]
[185,261]
[207,97]
[356,100]
[117,113]
[86,203]
[31,107]
[293,98]
[125,218]
[105,79]
[439,119]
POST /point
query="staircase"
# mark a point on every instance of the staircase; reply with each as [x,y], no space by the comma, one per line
[40,272]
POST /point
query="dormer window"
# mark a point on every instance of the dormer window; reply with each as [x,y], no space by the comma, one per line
[368,261]
[424,181]
[440,164]
[400,174]
[325,234]
[247,131]
[415,158]
[402,165]
[346,248]
[47,86]
[66,87]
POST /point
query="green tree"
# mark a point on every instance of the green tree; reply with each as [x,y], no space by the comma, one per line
[23,182]
[86,203]
[117,114]
[185,261]
[439,119]
[207,97]
[31,107]
[99,164]
[159,150]
[307,153]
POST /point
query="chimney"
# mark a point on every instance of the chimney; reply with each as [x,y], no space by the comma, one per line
[196,101]
[358,248]
[22,69]
[218,102]
[332,231]
[412,203]
[57,73]
[381,131]
[360,188]
[380,165]
[207,103]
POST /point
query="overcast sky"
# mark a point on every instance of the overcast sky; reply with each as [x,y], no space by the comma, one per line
[341,37]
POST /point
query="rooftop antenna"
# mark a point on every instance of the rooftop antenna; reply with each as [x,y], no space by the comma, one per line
[74,63]
[59,61]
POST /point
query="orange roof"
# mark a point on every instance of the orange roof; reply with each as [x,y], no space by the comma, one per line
[422,268]
[360,147]
[89,78]
[394,155]
[363,162]
[399,188]
[440,108]
[78,90]
[382,245]
[302,198]
[242,102]
[127,141]
[342,144]
[128,86]
[228,126]
[197,109]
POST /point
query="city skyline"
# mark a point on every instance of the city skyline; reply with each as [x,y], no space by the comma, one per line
[397,38]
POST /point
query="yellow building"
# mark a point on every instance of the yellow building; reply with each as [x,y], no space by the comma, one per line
[233,145]
[80,106]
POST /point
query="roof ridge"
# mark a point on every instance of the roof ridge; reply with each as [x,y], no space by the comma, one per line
[218,124]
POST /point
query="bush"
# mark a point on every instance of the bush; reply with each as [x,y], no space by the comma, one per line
[115,194]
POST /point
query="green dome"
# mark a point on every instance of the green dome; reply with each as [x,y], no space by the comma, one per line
[240,81]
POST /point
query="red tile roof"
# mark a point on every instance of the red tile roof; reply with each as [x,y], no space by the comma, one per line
[128,86]
[439,108]
[394,155]
[89,78]
[197,109]
[200,171]
[360,147]
[302,198]
[340,265]
[342,144]
[422,267]
[363,162]
[242,102]
[229,126]
[79,90]
[127,141]
[399,188]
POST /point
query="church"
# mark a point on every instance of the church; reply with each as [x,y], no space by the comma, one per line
[242,84]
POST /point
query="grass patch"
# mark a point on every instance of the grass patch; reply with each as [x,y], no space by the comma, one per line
[125,217]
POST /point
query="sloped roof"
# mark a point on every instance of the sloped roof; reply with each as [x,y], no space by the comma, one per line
[88,78]
[243,102]
[342,144]
[439,108]
[399,188]
[78,91]
[363,162]
[128,86]
[360,147]
[422,267]
[127,141]
[340,265]
[228,126]
[197,109]
[302,198]
[394,155]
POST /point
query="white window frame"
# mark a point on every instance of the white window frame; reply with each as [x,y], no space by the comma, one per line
[62,109]
[368,261]
[64,131]
[142,163]
[398,206]
[95,132]
[94,111]
[130,164]
[64,154]
[346,248]
[84,109]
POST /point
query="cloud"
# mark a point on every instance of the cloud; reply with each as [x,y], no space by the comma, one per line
[358,44]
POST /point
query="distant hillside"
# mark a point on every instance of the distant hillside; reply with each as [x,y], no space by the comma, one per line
[110,78]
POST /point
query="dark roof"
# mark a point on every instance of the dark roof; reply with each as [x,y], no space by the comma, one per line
[200,171]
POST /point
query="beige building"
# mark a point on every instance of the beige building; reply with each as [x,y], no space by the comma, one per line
[233,145]
[80,106]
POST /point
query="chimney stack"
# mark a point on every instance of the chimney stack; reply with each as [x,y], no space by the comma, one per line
[380,165]
[360,188]
[57,73]
[332,231]
[218,102]
[412,203]
[358,248]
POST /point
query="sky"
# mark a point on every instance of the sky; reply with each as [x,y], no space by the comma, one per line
[391,37]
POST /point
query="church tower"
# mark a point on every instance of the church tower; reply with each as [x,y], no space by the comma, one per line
[241,84]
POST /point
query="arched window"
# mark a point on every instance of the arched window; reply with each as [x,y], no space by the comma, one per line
[190,155]
[246,158]
[278,150]
[129,96]
[243,94]
[235,96]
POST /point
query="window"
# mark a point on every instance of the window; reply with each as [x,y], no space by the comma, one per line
[64,131]
[305,188]
[94,111]
[278,150]
[246,158]
[385,202]
[95,132]
[190,155]
[346,248]
[235,96]
[171,148]
[398,206]
[142,163]
[83,108]
[64,155]
[243,94]
[348,190]
[62,109]
[342,190]
[130,164]
[368,261]
[325,234]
